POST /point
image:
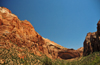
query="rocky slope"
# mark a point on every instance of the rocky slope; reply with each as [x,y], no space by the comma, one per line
[92,41]
[18,34]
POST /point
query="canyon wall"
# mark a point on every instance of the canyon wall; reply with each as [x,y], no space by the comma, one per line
[15,33]
[92,41]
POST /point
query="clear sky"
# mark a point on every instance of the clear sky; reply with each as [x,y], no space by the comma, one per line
[65,22]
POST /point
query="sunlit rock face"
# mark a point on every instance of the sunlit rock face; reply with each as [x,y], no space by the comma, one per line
[92,41]
[16,33]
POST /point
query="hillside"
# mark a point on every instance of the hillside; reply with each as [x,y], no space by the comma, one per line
[16,33]
[10,57]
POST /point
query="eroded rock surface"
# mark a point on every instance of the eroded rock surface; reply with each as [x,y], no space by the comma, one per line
[92,41]
[14,32]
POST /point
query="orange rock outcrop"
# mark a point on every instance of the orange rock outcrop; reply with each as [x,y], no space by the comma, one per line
[23,34]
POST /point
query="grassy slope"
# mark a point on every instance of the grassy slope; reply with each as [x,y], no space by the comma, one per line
[10,57]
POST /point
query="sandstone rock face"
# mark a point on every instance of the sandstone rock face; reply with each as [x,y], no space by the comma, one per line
[69,53]
[14,32]
[92,41]
[57,51]
[21,33]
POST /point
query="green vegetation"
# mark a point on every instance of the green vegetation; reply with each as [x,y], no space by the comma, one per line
[10,56]
[93,59]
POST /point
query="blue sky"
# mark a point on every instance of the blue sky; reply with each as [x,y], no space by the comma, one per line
[65,22]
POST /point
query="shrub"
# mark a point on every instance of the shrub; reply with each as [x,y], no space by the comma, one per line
[47,61]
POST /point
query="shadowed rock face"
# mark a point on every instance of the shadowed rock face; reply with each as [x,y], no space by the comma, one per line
[23,34]
[92,41]
[69,53]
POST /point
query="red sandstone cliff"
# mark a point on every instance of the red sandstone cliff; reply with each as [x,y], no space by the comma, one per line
[92,41]
[14,32]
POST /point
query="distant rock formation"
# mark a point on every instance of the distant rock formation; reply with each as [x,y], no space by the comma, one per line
[14,32]
[92,41]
